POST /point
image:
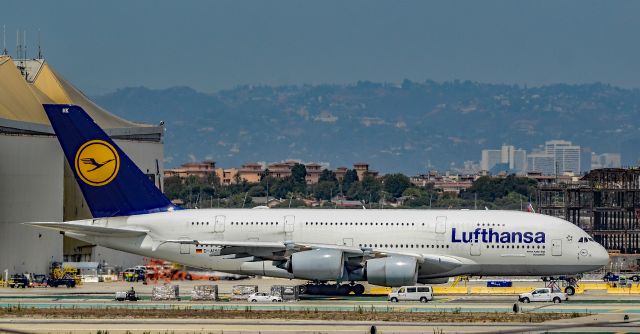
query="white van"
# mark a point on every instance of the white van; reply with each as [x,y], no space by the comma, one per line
[423,293]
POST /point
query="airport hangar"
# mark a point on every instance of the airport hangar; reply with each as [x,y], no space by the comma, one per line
[36,183]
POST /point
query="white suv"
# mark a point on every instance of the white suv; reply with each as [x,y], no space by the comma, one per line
[423,293]
[263,297]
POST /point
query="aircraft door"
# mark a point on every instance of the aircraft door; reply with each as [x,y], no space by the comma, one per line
[289,223]
[441,225]
[347,242]
[475,249]
[185,248]
[219,227]
[556,247]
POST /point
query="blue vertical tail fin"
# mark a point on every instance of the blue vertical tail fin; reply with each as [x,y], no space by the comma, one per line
[111,183]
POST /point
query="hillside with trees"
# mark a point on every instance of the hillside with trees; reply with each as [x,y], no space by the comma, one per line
[395,128]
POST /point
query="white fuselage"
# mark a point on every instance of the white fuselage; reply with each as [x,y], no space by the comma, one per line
[486,242]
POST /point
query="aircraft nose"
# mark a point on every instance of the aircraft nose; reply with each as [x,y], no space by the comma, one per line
[601,256]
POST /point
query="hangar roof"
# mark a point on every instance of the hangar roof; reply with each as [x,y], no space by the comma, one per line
[27,84]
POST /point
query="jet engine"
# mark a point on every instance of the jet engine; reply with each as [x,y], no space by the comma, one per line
[393,271]
[318,264]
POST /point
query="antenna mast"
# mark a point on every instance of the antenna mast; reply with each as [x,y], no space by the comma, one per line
[4,40]
[39,46]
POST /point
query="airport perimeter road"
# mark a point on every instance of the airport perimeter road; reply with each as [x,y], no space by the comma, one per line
[600,324]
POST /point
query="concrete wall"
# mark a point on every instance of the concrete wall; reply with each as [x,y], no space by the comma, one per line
[36,184]
[31,189]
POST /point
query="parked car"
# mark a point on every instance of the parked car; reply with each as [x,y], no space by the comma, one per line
[543,295]
[422,293]
[263,297]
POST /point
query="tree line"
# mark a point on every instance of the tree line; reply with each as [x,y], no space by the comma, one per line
[391,190]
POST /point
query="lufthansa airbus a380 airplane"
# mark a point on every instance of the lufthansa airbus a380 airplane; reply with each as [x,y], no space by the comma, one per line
[382,247]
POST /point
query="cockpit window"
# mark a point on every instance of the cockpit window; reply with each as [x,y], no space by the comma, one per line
[582,239]
[591,239]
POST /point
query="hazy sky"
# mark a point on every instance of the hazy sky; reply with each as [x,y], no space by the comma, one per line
[212,45]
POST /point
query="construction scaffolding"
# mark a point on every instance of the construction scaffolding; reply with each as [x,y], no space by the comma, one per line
[605,203]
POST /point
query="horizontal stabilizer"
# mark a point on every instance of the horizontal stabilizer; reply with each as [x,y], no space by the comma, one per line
[90,229]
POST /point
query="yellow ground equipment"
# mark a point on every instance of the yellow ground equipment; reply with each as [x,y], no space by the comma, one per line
[458,279]
[58,271]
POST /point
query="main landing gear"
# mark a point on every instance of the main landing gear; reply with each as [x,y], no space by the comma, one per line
[317,288]
[569,283]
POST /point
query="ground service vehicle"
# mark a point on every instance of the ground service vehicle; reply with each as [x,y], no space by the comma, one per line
[18,281]
[422,293]
[56,282]
[543,295]
[263,297]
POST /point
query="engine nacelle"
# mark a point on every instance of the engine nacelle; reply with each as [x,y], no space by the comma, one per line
[393,271]
[440,280]
[318,264]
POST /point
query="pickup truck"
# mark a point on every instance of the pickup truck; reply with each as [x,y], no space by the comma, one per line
[543,295]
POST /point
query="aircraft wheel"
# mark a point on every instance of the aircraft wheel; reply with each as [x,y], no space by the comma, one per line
[570,290]
[343,289]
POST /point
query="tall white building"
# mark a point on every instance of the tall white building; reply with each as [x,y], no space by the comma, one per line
[605,160]
[555,157]
[515,159]
[542,162]
[566,156]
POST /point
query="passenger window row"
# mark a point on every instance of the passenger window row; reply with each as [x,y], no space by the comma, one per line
[489,224]
[516,246]
[358,224]
[256,223]
[402,246]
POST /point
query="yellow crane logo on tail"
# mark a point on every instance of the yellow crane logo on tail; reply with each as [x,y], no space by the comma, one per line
[97,162]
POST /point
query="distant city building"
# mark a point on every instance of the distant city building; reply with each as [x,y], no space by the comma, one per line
[541,162]
[556,157]
[313,173]
[605,160]
[566,155]
[362,169]
[470,168]
[253,172]
[250,172]
[227,176]
[446,183]
[199,169]
[507,158]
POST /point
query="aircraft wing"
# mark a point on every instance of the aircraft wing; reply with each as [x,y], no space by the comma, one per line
[272,250]
[90,230]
